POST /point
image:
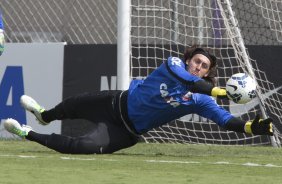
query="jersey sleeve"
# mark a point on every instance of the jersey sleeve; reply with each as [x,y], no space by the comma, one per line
[176,68]
[208,108]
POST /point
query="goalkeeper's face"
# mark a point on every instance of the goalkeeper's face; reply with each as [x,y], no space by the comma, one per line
[199,65]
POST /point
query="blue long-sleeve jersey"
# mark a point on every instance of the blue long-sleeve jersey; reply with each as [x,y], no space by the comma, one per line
[165,96]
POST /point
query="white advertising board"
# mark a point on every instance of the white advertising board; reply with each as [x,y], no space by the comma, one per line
[34,69]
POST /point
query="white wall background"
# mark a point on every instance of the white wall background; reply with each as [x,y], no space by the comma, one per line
[42,65]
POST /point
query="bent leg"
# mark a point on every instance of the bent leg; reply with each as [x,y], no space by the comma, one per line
[91,106]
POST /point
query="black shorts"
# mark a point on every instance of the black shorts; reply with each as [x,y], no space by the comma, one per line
[108,111]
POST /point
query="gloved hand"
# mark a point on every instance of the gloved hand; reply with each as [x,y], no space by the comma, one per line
[259,126]
[219,92]
[2,41]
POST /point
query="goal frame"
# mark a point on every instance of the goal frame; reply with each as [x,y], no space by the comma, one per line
[124,49]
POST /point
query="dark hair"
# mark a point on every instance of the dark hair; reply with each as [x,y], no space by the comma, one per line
[191,51]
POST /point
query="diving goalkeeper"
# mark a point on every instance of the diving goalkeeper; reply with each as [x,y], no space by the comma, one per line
[176,88]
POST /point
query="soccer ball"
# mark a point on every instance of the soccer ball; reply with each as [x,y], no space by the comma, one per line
[241,88]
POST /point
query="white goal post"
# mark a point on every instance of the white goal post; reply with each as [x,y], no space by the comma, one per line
[160,29]
[123,46]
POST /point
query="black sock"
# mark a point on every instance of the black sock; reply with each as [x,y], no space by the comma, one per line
[39,138]
[49,115]
[57,113]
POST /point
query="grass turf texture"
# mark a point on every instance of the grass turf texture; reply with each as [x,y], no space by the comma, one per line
[28,162]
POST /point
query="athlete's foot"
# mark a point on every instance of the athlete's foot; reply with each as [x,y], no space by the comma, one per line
[14,127]
[32,106]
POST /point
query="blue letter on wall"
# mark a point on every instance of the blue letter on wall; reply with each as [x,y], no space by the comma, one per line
[12,81]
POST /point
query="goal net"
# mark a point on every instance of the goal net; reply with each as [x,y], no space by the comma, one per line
[160,29]
[71,21]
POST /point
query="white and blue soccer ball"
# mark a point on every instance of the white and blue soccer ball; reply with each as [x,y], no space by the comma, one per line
[241,88]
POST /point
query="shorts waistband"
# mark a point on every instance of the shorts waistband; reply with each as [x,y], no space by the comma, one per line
[122,108]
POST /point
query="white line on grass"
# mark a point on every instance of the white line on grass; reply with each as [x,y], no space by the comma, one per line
[173,161]
[20,156]
[149,161]
[215,163]
[73,158]
[76,158]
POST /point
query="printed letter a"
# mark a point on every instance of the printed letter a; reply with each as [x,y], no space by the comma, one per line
[12,86]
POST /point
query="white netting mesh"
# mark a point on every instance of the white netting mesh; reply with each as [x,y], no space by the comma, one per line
[71,21]
[271,12]
[164,28]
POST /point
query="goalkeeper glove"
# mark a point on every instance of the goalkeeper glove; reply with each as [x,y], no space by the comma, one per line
[2,41]
[219,92]
[259,126]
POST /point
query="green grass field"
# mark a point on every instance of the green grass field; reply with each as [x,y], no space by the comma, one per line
[28,162]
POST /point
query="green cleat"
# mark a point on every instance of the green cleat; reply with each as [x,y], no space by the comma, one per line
[14,127]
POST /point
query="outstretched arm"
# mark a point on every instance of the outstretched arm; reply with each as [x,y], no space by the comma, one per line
[176,68]
[209,109]
[206,88]
[257,126]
